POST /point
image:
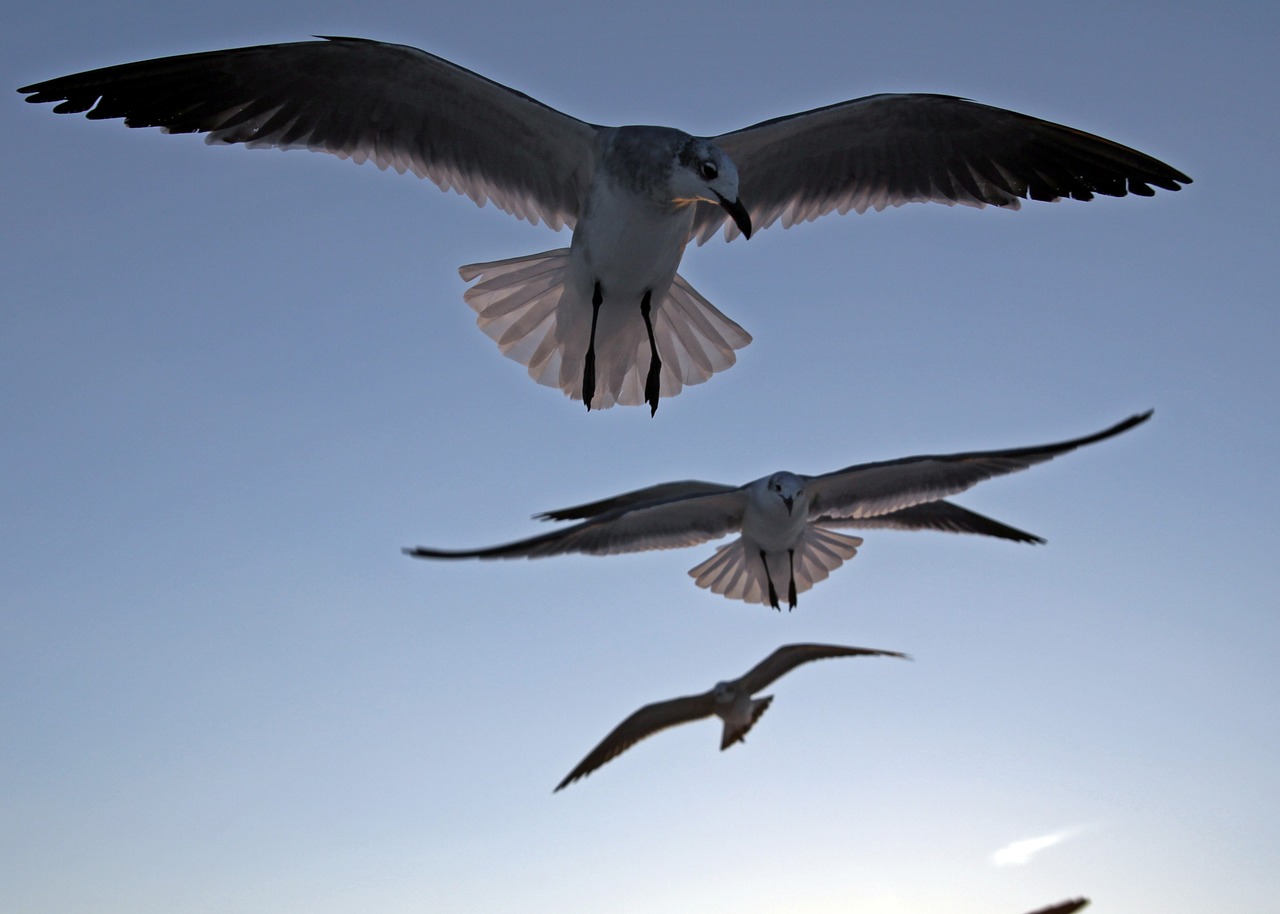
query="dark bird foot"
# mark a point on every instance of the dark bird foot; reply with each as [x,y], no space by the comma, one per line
[589,378]
[651,384]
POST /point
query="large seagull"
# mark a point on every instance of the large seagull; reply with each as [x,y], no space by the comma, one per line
[785,519]
[731,701]
[608,319]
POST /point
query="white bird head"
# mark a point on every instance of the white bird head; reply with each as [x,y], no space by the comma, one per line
[704,172]
[787,486]
[724,693]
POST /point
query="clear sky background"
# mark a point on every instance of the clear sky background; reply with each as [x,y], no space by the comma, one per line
[233,384]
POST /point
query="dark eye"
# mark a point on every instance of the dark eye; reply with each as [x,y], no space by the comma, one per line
[709,171]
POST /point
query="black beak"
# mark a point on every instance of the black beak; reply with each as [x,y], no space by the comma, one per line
[739,213]
[787,501]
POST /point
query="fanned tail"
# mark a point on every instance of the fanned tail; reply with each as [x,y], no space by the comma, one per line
[524,305]
[736,732]
[737,575]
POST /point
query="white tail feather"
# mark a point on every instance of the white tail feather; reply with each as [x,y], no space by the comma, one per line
[524,305]
[737,575]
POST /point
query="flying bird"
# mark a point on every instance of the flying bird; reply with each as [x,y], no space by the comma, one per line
[608,319]
[731,701]
[786,544]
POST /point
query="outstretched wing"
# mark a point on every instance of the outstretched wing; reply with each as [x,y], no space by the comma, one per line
[391,104]
[667,524]
[944,516]
[1063,907]
[661,492]
[645,722]
[887,150]
[874,489]
[789,656]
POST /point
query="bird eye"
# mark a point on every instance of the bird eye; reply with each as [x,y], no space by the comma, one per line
[709,171]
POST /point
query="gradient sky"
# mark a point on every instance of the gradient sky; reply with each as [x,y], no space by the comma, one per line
[233,384]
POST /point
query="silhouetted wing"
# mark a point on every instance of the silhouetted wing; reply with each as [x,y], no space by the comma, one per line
[887,150]
[364,100]
[874,489]
[789,656]
[1064,907]
[944,516]
[664,525]
[645,722]
[662,492]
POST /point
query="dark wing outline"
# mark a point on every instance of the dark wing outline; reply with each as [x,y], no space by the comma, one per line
[643,723]
[663,491]
[943,516]
[890,149]
[873,489]
[398,106]
[1063,907]
[789,656]
[669,524]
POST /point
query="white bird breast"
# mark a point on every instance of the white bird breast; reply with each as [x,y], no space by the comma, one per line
[631,245]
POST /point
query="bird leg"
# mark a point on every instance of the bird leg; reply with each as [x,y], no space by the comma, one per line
[651,383]
[773,594]
[791,589]
[589,367]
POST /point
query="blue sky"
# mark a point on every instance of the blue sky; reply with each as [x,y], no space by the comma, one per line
[233,384]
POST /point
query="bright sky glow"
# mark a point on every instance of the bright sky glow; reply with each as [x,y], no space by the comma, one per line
[1019,853]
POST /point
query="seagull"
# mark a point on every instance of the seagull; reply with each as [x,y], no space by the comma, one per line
[731,701]
[608,319]
[784,518]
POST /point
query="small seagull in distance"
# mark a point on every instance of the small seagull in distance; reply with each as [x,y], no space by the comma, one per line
[786,545]
[608,319]
[731,701]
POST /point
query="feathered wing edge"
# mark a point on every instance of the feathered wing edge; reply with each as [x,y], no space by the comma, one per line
[518,305]
[650,719]
[734,574]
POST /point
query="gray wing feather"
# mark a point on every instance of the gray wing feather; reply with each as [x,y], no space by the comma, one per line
[789,656]
[662,492]
[887,150]
[665,525]
[647,721]
[944,516]
[875,489]
[397,106]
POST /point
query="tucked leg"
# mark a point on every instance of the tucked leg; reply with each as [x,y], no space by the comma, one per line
[773,594]
[651,384]
[791,588]
[589,366]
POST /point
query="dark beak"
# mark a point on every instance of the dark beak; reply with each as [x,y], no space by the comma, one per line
[786,501]
[739,213]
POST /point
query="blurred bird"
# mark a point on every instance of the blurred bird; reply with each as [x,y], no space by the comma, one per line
[784,518]
[731,701]
[1064,907]
[608,319]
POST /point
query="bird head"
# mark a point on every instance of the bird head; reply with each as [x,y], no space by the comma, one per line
[723,693]
[787,486]
[704,172]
